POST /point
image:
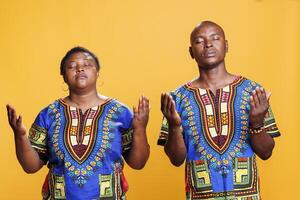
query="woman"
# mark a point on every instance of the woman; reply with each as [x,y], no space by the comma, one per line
[83,137]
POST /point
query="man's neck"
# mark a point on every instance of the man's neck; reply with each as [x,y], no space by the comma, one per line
[213,78]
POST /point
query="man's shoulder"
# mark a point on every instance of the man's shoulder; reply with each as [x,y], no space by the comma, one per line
[182,89]
[250,83]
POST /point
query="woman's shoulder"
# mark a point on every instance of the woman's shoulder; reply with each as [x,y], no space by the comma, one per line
[52,106]
[115,103]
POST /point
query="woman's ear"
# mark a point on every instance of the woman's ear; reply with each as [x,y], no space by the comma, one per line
[191,52]
[226,45]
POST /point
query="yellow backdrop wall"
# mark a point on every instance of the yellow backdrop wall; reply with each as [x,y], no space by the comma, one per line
[143,49]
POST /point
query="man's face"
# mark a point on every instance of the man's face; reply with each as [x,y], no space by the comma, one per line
[208,45]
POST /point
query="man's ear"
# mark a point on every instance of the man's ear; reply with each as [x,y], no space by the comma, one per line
[191,52]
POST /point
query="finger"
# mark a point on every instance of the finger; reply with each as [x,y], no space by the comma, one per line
[135,113]
[263,92]
[264,99]
[19,121]
[13,116]
[170,99]
[140,105]
[268,95]
[173,109]
[8,108]
[146,105]
[259,96]
[162,97]
[166,100]
[252,104]
[255,99]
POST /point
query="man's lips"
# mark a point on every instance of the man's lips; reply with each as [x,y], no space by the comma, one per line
[209,54]
[79,76]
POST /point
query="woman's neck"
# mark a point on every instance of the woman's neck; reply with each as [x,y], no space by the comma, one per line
[84,101]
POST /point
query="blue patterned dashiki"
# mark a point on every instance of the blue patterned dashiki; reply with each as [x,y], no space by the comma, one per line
[220,162]
[83,150]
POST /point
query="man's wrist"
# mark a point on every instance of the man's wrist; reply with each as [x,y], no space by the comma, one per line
[174,128]
[256,125]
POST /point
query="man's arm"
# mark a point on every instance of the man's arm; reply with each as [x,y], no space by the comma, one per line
[175,146]
[262,143]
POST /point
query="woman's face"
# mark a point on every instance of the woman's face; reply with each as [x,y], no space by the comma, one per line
[81,72]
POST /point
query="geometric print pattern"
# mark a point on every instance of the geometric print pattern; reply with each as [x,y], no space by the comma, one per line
[220,163]
[83,150]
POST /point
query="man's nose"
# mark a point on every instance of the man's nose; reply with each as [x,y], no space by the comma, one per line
[208,44]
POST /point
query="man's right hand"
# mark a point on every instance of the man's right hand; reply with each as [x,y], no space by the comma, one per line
[15,121]
[169,111]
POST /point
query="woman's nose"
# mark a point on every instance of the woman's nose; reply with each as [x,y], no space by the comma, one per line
[80,68]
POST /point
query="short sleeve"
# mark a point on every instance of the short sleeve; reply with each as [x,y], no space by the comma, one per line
[270,124]
[164,131]
[126,129]
[38,136]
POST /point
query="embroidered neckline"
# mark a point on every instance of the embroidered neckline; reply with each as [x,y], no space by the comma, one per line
[236,79]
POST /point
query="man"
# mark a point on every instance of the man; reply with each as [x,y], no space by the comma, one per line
[217,123]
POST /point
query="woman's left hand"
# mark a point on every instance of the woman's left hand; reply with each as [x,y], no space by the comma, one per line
[141,113]
[259,105]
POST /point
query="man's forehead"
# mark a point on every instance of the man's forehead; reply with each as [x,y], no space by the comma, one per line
[207,27]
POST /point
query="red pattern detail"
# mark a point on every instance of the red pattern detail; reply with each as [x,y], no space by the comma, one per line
[205,99]
[74,114]
[242,159]
[225,96]
[45,188]
[199,162]
[124,182]
[79,150]
[92,114]
[220,140]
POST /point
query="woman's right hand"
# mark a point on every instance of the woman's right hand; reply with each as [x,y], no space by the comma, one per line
[15,121]
[169,111]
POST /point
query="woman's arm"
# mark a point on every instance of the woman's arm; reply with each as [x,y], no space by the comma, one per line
[140,149]
[26,155]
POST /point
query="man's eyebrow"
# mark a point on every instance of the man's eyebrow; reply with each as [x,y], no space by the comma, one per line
[215,34]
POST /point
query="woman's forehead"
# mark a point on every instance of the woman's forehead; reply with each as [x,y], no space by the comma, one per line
[80,56]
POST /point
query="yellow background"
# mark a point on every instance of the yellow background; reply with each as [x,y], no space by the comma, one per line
[143,49]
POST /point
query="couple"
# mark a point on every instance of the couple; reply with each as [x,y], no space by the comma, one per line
[217,123]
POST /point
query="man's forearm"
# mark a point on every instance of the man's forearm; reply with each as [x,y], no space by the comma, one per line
[262,144]
[175,147]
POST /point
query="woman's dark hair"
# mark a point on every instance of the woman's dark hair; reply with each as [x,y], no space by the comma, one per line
[73,51]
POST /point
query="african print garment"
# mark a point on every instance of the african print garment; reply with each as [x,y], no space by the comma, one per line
[83,150]
[220,162]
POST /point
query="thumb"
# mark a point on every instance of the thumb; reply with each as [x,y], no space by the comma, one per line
[134,111]
[268,95]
